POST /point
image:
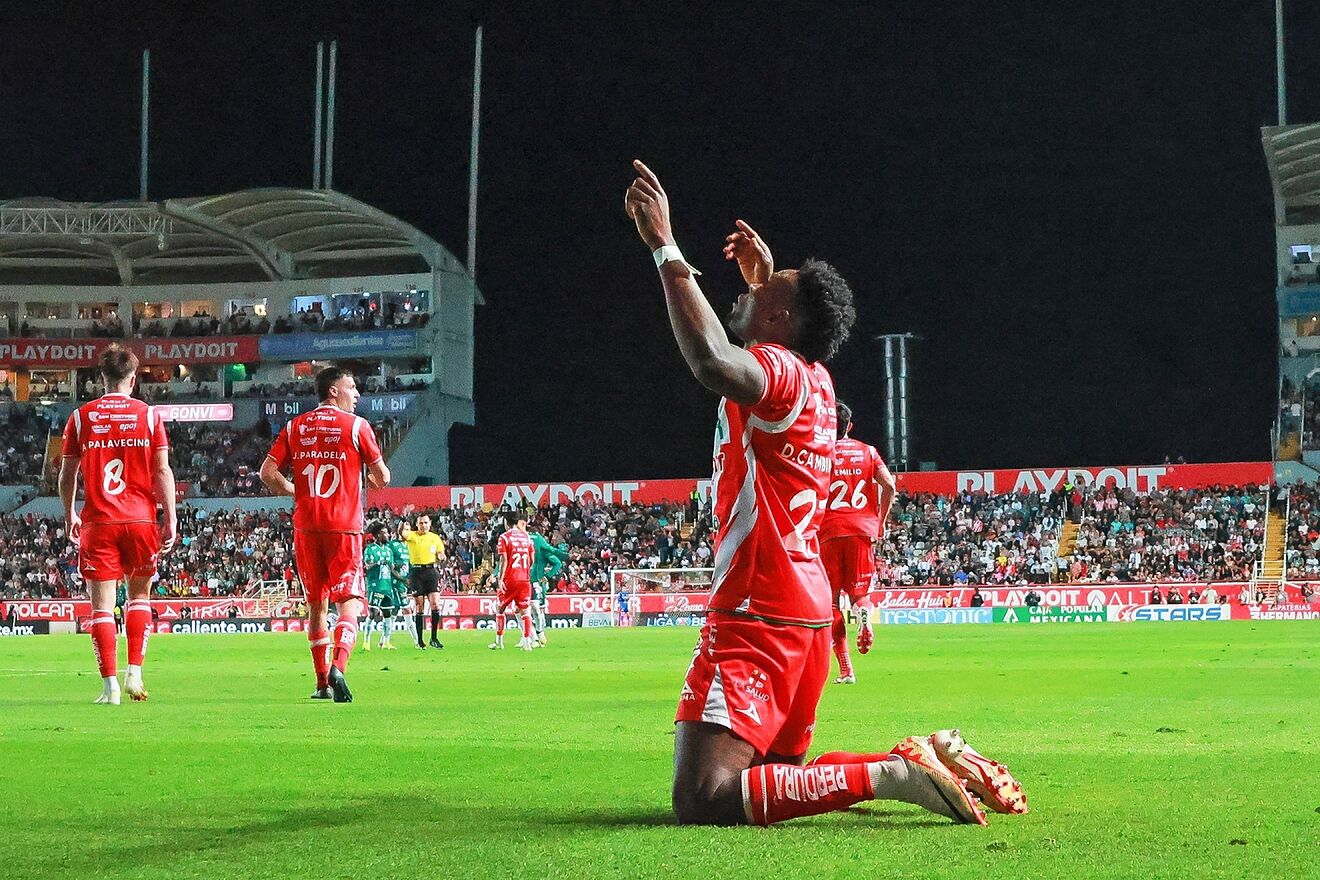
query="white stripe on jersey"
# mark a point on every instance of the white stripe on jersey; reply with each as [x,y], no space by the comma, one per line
[742,517]
[787,421]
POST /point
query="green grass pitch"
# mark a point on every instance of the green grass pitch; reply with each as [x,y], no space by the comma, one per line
[1147,750]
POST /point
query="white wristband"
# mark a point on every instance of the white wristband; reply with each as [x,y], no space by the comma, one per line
[670,253]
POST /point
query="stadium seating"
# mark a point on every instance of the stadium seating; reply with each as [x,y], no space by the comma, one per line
[974,538]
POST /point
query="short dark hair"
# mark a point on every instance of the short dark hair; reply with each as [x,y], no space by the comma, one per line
[117,363]
[513,517]
[326,378]
[825,310]
[845,415]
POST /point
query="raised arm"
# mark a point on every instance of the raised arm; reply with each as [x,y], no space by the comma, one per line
[714,359]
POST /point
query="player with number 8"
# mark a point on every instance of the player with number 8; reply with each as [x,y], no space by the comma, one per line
[325,450]
[118,446]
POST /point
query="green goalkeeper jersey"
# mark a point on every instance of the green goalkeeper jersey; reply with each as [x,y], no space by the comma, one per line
[378,561]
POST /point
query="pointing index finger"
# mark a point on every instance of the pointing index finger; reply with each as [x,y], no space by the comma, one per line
[647,174]
[747,230]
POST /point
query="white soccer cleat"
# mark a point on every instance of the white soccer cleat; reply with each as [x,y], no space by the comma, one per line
[496,646]
[137,692]
[540,640]
[525,644]
[108,697]
[989,780]
[934,786]
[846,679]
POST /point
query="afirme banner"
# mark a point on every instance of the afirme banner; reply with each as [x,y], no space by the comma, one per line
[166,350]
[1141,479]
[367,343]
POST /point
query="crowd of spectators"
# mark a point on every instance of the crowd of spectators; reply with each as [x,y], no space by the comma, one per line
[971,538]
[23,434]
[222,553]
[218,461]
[1179,540]
[1170,535]
[1167,535]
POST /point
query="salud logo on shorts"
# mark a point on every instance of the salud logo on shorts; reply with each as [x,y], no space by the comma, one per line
[755,688]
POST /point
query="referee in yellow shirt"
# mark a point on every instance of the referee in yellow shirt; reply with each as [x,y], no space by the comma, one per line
[425,550]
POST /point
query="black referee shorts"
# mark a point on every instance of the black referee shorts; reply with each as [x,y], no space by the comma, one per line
[422,581]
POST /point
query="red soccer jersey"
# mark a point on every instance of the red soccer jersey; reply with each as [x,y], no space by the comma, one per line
[516,551]
[854,505]
[325,450]
[772,475]
[116,438]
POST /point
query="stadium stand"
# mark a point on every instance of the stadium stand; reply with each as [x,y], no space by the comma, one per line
[1168,536]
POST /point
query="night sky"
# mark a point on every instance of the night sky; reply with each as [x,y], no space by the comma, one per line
[1072,208]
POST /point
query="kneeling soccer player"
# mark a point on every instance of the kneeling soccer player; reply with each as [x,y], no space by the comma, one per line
[513,574]
[747,709]
[326,450]
[118,445]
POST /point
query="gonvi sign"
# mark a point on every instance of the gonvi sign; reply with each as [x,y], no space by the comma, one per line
[195,412]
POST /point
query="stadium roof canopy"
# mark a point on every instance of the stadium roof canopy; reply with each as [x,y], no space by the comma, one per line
[253,235]
[1293,155]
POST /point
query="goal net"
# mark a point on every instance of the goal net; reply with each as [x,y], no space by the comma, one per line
[660,596]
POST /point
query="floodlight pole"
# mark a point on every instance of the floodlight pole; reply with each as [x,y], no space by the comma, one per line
[1280,69]
[898,437]
[472,164]
[146,111]
[320,101]
[330,120]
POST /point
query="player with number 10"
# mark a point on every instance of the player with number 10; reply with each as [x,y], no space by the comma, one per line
[325,450]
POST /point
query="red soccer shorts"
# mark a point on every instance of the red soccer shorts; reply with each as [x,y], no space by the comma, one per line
[760,680]
[517,593]
[330,565]
[849,564]
[113,551]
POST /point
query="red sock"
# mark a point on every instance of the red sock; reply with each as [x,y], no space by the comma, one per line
[105,642]
[846,758]
[841,654]
[840,634]
[499,626]
[527,626]
[776,792]
[345,638]
[137,623]
[320,642]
